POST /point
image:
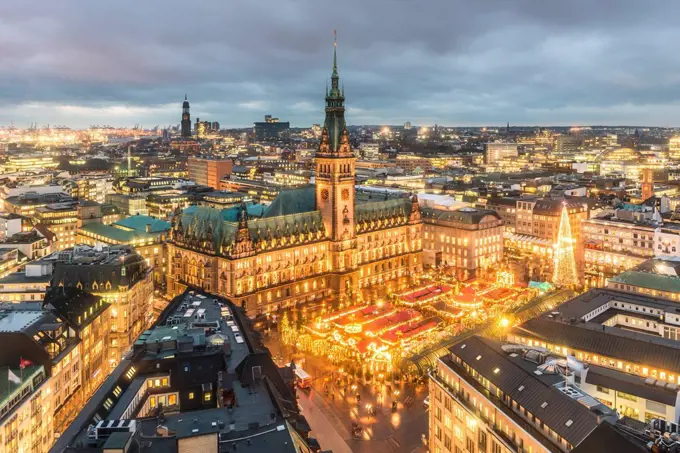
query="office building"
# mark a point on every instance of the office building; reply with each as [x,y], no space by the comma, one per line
[61,219]
[270,128]
[26,204]
[618,241]
[674,148]
[468,240]
[495,152]
[484,399]
[10,224]
[209,171]
[146,234]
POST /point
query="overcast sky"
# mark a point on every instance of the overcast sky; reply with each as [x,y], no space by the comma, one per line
[451,62]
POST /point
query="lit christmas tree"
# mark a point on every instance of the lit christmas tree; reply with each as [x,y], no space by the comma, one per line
[564,274]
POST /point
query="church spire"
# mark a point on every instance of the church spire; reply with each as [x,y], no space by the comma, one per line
[335,53]
[334,132]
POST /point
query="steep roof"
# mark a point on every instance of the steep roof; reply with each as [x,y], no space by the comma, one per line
[292,201]
[199,222]
[368,216]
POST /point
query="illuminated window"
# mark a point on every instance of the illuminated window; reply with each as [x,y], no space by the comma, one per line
[191,395]
[206,396]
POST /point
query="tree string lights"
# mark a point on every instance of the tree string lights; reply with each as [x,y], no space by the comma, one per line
[564,273]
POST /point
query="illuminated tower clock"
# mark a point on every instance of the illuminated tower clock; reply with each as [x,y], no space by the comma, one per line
[335,172]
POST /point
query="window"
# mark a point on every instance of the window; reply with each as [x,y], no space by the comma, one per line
[207,396]
[470,445]
[482,440]
[191,395]
[495,448]
[172,399]
[447,442]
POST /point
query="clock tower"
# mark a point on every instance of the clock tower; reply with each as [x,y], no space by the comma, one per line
[335,172]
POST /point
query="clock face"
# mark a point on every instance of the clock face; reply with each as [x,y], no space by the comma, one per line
[324,194]
[345,194]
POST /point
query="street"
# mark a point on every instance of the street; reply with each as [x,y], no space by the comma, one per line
[336,401]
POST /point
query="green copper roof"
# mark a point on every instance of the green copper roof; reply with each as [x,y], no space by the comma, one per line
[649,280]
[292,201]
[254,210]
[121,235]
[374,210]
[198,222]
[139,223]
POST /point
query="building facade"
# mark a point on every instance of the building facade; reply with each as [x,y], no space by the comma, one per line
[209,172]
[494,152]
[122,278]
[310,242]
[469,240]
[617,242]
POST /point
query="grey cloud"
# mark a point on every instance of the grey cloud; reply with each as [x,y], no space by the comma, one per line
[453,62]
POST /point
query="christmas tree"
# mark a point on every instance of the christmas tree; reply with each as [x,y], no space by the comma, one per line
[564,274]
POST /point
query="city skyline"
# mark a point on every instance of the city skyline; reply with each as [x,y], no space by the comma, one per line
[456,63]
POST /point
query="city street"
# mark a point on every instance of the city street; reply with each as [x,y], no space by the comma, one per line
[335,402]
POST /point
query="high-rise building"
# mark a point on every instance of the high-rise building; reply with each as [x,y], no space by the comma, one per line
[186,118]
[567,144]
[494,152]
[209,171]
[270,128]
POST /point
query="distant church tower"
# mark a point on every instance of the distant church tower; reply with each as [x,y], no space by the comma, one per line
[186,118]
[335,172]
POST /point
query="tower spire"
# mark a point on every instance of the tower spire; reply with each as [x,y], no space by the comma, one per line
[335,52]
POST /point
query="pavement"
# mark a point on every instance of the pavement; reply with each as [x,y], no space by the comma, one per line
[331,406]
